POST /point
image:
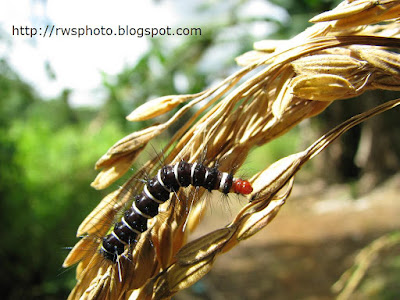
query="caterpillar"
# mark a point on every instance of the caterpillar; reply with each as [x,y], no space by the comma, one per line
[169,179]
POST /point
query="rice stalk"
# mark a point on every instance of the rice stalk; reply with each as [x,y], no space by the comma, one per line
[352,278]
[344,54]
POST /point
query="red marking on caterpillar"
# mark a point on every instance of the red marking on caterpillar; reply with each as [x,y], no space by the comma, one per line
[241,186]
[169,179]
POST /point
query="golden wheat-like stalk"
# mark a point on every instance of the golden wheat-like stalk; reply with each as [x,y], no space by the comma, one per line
[349,281]
[344,54]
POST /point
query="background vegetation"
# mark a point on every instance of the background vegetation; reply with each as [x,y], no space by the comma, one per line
[48,148]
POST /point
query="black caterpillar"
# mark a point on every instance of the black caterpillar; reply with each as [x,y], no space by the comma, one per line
[156,191]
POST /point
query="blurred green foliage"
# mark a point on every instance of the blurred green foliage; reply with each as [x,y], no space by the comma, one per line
[47,153]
